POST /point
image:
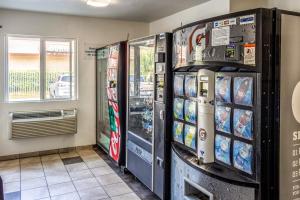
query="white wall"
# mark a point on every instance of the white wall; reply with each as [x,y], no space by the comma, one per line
[208,9]
[292,5]
[86,30]
[238,5]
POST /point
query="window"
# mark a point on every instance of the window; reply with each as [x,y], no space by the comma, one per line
[40,68]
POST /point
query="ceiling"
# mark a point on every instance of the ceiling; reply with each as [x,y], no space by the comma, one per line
[136,10]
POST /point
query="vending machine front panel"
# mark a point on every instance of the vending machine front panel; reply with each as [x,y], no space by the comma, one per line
[103,127]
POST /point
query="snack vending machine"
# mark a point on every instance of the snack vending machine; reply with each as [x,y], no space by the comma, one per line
[221,108]
[149,96]
[111,100]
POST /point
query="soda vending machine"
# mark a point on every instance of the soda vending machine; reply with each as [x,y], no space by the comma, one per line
[222,108]
[111,100]
[149,86]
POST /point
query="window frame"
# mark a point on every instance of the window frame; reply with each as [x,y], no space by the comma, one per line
[73,68]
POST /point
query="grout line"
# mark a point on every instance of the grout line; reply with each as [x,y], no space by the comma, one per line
[96,177]
[45,177]
[20,179]
[70,178]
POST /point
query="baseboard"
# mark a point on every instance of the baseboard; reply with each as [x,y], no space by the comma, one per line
[46,152]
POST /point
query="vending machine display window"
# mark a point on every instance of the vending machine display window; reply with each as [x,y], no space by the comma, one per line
[178,108]
[223,119]
[243,91]
[223,89]
[222,149]
[178,85]
[190,136]
[178,131]
[243,123]
[243,156]
[190,86]
[141,89]
[190,111]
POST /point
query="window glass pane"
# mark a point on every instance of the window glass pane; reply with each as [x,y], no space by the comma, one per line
[58,65]
[23,69]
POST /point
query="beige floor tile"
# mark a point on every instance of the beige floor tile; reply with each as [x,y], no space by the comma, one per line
[130,196]
[32,166]
[86,183]
[52,163]
[69,154]
[30,160]
[33,183]
[11,187]
[92,156]
[53,167]
[79,175]
[93,194]
[10,163]
[31,173]
[33,194]
[62,188]
[109,179]
[70,196]
[50,157]
[117,189]
[102,171]
[76,167]
[11,177]
[87,153]
[58,178]
[96,163]
[9,170]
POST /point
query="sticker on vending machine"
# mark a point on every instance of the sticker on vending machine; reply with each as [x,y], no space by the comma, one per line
[221,36]
[249,54]
[114,147]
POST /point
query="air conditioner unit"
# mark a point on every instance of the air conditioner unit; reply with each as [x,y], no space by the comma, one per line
[42,123]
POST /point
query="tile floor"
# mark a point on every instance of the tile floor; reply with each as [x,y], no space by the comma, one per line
[85,174]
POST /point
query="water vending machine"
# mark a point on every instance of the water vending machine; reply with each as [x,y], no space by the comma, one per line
[221,124]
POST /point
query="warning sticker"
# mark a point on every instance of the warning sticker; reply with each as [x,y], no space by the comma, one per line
[248,19]
[249,54]
[220,36]
[226,22]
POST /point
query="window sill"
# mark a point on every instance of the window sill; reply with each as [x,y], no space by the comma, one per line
[42,101]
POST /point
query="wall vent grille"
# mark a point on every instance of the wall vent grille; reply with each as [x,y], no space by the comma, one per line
[43,123]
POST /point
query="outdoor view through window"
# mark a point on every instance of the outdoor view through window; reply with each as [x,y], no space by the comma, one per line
[40,68]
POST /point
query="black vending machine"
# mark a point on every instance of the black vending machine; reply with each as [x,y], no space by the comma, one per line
[222,108]
[111,100]
[149,97]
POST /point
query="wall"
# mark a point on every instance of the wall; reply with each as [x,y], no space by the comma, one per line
[238,5]
[291,5]
[87,31]
[208,9]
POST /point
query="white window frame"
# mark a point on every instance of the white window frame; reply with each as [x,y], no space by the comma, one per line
[73,65]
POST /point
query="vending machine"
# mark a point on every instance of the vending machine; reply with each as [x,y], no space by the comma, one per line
[111,100]
[149,97]
[222,108]
[286,135]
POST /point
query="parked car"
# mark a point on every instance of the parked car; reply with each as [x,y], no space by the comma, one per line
[61,87]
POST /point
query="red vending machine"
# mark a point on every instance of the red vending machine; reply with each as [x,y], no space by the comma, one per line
[111,100]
